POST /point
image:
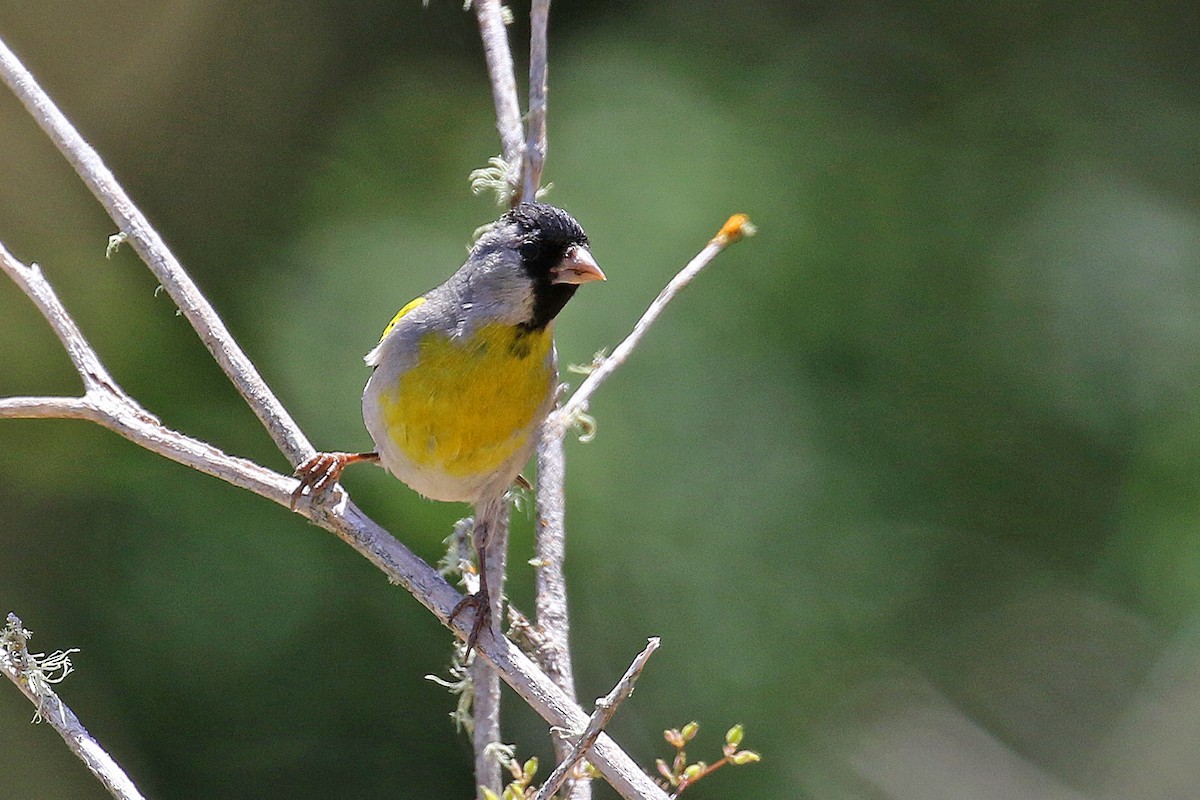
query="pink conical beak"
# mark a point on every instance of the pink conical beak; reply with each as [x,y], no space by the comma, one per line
[577,266]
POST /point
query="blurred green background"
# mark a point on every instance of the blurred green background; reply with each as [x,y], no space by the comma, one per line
[909,484]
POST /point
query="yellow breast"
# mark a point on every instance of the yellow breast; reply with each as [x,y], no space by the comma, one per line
[468,407]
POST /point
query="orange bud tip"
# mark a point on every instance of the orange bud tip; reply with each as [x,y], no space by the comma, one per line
[735,229]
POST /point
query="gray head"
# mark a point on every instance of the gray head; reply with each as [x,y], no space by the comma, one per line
[534,257]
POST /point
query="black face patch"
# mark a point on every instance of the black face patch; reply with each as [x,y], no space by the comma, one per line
[545,234]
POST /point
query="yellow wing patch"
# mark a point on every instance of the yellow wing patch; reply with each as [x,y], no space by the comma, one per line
[407,308]
[466,408]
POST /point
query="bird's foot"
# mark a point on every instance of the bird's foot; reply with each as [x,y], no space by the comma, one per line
[482,607]
[322,471]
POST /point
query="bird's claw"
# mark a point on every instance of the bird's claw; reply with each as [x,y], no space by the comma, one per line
[482,606]
[317,474]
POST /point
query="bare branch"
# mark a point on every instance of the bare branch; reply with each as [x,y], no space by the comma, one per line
[33,283]
[606,707]
[105,403]
[47,408]
[734,229]
[553,623]
[504,83]
[492,515]
[134,423]
[539,65]
[31,674]
[550,601]
[553,632]
[158,257]
[514,667]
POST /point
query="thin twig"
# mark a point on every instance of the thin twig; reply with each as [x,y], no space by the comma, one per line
[28,673]
[493,515]
[553,650]
[553,623]
[734,229]
[46,408]
[83,357]
[550,585]
[606,707]
[539,65]
[158,257]
[503,79]
[105,403]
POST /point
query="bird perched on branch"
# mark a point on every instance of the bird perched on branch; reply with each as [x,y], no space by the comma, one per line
[465,374]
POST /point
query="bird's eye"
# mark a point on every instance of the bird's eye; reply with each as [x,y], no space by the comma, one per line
[530,250]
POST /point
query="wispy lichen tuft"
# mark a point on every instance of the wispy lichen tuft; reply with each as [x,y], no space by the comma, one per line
[498,176]
[38,670]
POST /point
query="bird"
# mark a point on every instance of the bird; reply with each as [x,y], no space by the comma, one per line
[464,375]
